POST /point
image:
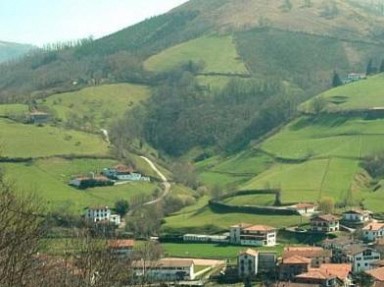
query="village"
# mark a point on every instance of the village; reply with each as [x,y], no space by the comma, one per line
[352,251]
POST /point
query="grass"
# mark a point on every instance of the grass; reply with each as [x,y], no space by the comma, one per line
[210,250]
[8,110]
[200,218]
[254,199]
[101,104]
[48,180]
[218,53]
[214,83]
[21,140]
[364,94]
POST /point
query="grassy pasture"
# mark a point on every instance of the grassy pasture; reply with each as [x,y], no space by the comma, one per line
[210,250]
[20,140]
[102,103]
[48,180]
[7,110]
[200,217]
[364,94]
[217,52]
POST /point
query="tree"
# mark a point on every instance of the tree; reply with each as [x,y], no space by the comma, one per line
[382,66]
[121,207]
[21,226]
[318,104]
[326,205]
[370,68]
[336,81]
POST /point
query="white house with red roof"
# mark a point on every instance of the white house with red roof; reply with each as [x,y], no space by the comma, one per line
[325,223]
[373,231]
[252,235]
[102,214]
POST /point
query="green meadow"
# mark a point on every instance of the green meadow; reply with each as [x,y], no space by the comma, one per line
[8,110]
[48,179]
[102,104]
[21,140]
[210,250]
[363,94]
[218,53]
[201,218]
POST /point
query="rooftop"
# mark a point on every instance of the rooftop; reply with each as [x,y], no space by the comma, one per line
[249,251]
[261,228]
[164,262]
[358,211]
[315,274]
[377,274]
[374,226]
[306,251]
[325,217]
[296,259]
[125,243]
[341,271]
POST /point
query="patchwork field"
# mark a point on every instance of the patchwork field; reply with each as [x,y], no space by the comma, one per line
[21,140]
[98,105]
[218,54]
[13,109]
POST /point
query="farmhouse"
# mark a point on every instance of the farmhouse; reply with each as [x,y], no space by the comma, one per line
[325,223]
[100,214]
[341,271]
[247,263]
[205,238]
[356,216]
[373,231]
[292,266]
[84,182]
[123,173]
[252,235]
[166,269]
[317,255]
[361,257]
[316,276]
[38,117]
[121,248]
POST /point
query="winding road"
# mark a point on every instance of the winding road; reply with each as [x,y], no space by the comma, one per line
[166,184]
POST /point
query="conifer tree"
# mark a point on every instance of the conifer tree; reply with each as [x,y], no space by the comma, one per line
[336,81]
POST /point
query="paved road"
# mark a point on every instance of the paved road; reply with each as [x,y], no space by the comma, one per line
[166,184]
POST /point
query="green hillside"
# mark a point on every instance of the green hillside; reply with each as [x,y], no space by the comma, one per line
[364,94]
[48,179]
[217,54]
[21,140]
[97,106]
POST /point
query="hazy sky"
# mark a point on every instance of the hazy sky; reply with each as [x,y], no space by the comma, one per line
[48,21]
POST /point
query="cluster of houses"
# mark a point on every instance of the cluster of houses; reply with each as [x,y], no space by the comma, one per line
[109,176]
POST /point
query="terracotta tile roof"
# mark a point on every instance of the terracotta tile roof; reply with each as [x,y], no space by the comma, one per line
[341,271]
[125,243]
[242,225]
[304,205]
[123,168]
[377,274]
[325,217]
[355,249]
[249,251]
[296,259]
[358,211]
[374,226]
[261,228]
[315,274]
[164,262]
[306,251]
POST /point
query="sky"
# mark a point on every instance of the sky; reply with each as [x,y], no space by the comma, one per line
[39,22]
